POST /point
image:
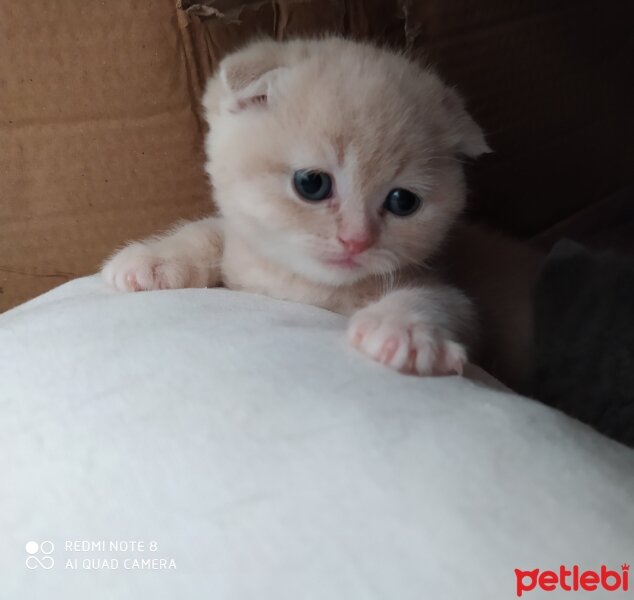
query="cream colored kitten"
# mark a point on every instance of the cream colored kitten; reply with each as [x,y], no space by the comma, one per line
[334,168]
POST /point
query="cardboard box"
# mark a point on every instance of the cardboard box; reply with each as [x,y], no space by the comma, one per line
[101,139]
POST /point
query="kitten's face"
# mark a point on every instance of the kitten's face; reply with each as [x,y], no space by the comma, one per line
[339,162]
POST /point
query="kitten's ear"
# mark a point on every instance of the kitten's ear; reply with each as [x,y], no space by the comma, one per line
[466,137]
[247,75]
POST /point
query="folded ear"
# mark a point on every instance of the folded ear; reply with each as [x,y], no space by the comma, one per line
[247,75]
[466,135]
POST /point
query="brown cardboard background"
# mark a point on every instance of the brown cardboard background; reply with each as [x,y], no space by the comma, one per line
[100,141]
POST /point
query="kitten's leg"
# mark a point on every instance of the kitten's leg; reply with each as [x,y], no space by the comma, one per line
[417,330]
[187,256]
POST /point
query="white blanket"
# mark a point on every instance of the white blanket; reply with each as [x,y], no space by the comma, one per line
[266,460]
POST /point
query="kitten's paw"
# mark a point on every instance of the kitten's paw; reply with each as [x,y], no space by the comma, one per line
[405,343]
[137,267]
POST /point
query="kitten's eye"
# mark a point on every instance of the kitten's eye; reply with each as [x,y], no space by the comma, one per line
[313,186]
[402,203]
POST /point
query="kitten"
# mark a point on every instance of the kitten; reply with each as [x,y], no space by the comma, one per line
[334,167]
[584,338]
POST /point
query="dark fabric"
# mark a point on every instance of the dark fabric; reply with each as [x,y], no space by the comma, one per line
[584,338]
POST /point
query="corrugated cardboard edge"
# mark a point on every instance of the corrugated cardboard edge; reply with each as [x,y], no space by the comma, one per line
[227,11]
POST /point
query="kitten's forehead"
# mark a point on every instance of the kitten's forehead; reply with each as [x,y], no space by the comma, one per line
[370,114]
[370,154]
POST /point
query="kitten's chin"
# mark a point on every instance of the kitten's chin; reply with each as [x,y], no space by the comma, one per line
[335,273]
[332,271]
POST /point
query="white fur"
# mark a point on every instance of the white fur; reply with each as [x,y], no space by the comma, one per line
[374,121]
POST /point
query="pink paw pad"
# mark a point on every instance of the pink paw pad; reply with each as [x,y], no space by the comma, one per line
[389,349]
[131,281]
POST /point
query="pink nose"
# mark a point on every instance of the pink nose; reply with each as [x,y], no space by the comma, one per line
[356,245]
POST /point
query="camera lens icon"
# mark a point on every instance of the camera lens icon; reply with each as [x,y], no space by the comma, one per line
[39,555]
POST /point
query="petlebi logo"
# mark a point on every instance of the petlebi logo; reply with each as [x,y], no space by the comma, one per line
[573,579]
[39,555]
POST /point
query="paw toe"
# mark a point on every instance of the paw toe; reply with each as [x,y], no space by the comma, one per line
[425,349]
[452,359]
[359,329]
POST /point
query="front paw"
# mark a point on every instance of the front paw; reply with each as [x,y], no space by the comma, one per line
[406,343]
[140,267]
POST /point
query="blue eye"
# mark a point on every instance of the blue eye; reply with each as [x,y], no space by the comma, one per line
[313,186]
[402,203]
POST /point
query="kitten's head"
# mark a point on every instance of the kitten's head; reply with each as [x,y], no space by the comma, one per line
[336,159]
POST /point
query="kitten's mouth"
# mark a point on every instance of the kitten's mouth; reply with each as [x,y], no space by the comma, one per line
[345,262]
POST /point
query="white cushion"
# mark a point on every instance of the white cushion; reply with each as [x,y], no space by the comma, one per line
[269,461]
